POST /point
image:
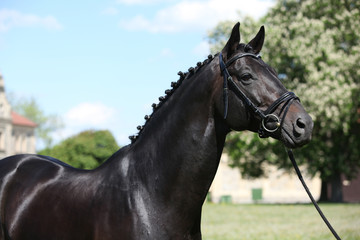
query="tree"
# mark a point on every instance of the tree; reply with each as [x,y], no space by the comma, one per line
[46,124]
[315,46]
[86,150]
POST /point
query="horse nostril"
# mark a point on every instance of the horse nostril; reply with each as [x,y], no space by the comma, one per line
[300,123]
[299,128]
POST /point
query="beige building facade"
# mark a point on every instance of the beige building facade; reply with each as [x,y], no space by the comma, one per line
[17,133]
[277,187]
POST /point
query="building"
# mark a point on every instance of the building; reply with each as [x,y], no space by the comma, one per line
[278,187]
[17,133]
[351,189]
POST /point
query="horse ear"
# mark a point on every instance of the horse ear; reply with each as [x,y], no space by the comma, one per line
[257,42]
[233,41]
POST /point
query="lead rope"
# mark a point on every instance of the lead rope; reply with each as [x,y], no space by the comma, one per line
[293,161]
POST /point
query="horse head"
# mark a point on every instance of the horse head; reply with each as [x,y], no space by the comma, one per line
[253,91]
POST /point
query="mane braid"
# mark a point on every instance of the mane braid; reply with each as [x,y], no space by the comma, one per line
[174,85]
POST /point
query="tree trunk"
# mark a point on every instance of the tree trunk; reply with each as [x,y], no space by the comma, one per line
[336,189]
[324,195]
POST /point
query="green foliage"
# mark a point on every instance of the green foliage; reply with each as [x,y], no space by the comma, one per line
[46,124]
[315,46]
[87,150]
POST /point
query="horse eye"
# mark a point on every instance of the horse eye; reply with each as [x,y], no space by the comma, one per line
[246,77]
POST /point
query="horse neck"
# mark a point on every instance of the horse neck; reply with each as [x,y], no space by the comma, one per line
[178,151]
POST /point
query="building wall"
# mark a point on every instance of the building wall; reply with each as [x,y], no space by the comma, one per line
[14,138]
[351,189]
[278,187]
[5,135]
[22,140]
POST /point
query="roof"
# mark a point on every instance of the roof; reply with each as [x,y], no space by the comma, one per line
[19,120]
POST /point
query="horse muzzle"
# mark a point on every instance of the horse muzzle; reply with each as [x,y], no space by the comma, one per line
[297,130]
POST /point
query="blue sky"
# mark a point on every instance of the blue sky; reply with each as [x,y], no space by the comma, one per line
[101,64]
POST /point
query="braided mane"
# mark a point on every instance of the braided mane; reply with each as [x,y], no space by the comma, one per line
[174,85]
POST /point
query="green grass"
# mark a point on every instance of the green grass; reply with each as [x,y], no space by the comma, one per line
[279,222]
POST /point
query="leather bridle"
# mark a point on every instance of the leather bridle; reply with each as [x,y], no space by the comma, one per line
[270,122]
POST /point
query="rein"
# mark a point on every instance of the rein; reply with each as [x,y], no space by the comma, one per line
[293,161]
[270,122]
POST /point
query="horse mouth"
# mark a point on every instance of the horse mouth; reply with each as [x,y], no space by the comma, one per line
[291,141]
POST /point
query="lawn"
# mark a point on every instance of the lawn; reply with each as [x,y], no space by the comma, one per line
[279,222]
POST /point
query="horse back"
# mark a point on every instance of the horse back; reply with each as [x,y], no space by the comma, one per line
[34,191]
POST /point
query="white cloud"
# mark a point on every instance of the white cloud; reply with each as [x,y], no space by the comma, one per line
[89,114]
[202,49]
[141,2]
[166,52]
[12,18]
[94,116]
[196,15]
[111,11]
[85,116]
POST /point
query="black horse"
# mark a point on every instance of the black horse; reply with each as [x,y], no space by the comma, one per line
[154,188]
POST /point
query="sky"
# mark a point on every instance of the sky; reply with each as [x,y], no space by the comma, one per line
[101,64]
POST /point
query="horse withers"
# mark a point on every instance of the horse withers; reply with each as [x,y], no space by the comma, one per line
[154,188]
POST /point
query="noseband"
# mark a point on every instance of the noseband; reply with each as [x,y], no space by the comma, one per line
[270,123]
